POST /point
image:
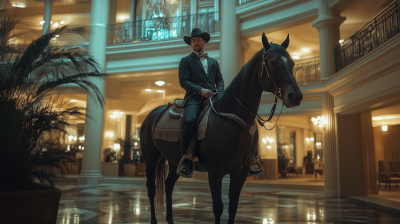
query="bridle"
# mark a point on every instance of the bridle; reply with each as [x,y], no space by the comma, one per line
[277,93]
[253,127]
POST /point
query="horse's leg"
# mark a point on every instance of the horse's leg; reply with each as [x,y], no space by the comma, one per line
[169,187]
[235,187]
[151,157]
[215,181]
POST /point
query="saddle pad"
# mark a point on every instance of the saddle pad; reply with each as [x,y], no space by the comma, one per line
[169,129]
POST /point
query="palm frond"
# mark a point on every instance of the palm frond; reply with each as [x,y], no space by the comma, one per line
[29,109]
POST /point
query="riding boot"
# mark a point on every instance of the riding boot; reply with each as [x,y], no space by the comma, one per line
[253,172]
[185,167]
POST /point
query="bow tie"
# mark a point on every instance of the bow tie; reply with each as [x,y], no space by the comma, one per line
[205,55]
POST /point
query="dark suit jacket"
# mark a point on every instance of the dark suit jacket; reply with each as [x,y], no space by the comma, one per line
[193,78]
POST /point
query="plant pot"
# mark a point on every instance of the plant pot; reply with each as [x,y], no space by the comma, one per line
[129,169]
[30,206]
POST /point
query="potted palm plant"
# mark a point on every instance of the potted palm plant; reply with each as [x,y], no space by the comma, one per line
[129,162]
[28,116]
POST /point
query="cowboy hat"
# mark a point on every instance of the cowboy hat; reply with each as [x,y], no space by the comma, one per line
[196,32]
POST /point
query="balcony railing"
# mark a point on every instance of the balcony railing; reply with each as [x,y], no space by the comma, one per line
[162,28]
[307,71]
[373,34]
[241,2]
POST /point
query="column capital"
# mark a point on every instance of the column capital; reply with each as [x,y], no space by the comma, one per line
[327,20]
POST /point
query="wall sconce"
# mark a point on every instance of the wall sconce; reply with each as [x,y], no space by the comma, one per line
[82,138]
[116,115]
[384,128]
[109,134]
[70,137]
[267,139]
[318,143]
[75,138]
[309,139]
[320,121]
[269,147]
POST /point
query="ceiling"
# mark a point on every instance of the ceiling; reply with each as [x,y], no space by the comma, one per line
[386,116]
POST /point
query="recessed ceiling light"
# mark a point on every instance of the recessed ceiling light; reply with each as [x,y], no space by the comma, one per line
[160,83]
[18,5]
[147,90]
[73,100]
[160,91]
[295,57]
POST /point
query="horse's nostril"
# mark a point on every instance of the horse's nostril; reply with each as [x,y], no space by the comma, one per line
[291,97]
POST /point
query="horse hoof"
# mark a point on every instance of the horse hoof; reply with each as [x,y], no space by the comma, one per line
[170,221]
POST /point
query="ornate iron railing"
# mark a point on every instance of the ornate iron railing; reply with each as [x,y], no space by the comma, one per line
[241,2]
[161,28]
[307,71]
[373,34]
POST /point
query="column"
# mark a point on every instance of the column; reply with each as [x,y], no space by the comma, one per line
[329,146]
[179,19]
[133,19]
[368,145]
[356,155]
[327,25]
[144,17]
[193,15]
[216,10]
[112,19]
[47,16]
[91,165]
[230,45]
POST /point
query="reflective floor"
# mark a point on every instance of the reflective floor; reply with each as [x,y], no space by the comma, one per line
[129,204]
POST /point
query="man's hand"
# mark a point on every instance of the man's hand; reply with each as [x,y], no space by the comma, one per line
[206,93]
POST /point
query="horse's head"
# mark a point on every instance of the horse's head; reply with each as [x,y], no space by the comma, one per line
[276,72]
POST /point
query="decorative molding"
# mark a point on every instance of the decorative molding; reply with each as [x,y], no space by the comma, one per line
[299,17]
[259,6]
[385,98]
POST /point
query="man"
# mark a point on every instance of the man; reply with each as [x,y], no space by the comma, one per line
[200,76]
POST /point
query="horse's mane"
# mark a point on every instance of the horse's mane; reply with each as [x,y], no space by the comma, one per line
[225,102]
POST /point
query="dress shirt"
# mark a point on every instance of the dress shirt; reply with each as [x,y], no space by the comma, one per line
[203,61]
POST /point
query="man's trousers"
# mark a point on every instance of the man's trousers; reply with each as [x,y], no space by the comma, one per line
[192,111]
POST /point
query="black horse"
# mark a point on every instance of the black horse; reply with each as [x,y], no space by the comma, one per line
[227,145]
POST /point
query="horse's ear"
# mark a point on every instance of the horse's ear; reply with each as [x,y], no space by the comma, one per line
[265,41]
[285,43]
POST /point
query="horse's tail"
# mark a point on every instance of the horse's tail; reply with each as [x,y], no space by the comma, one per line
[161,176]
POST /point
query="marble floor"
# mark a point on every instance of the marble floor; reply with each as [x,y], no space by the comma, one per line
[118,203]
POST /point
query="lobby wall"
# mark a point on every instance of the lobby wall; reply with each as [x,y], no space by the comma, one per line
[385,144]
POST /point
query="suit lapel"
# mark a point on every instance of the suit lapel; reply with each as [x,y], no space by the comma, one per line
[210,63]
[197,60]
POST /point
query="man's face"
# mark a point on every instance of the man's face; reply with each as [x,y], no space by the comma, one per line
[197,44]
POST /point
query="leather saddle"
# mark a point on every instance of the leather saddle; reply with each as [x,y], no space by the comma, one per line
[176,111]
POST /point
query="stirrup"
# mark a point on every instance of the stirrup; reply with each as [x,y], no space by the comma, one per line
[189,157]
[255,160]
